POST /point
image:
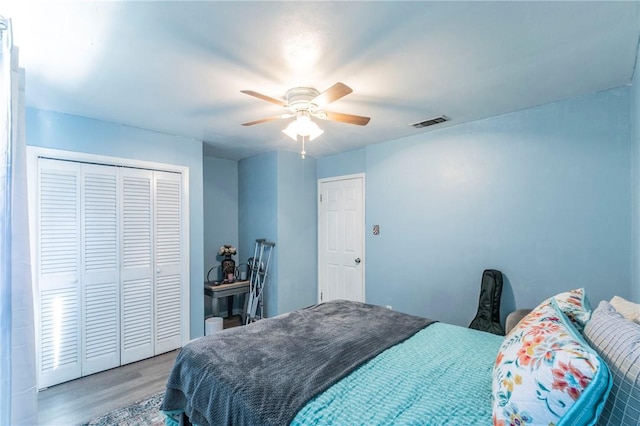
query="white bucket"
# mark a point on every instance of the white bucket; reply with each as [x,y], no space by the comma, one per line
[211,325]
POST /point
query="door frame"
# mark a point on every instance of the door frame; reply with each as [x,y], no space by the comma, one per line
[36,152]
[319,230]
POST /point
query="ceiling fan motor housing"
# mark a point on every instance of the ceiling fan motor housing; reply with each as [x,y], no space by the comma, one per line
[306,102]
[299,99]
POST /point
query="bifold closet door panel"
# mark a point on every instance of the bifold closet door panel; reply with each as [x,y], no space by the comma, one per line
[58,270]
[168,254]
[109,266]
[136,267]
[100,269]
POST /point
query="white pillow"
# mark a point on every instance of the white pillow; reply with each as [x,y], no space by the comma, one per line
[629,310]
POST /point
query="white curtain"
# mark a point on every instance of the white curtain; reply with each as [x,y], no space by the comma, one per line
[18,400]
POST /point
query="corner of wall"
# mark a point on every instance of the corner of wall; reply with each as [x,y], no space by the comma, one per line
[635,180]
[297,231]
[257,214]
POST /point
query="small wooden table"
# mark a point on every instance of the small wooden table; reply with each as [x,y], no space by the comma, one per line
[226,290]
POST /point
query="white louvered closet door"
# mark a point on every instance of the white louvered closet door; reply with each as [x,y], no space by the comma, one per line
[100,271]
[136,269]
[58,271]
[168,252]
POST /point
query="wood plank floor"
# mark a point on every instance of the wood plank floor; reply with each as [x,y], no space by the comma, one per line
[80,400]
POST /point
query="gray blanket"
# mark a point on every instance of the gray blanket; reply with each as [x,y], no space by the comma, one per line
[264,373]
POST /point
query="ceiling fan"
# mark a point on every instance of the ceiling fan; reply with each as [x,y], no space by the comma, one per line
[305,103]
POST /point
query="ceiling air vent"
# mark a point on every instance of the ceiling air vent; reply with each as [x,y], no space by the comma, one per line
[430,122]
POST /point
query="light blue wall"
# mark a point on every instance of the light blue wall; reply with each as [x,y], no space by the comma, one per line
[220,219]
[257,217]
[220,209]
[277,201]
[635,177]
[542,194]
[297,232]
[548,195]
[346,163]
[72,133]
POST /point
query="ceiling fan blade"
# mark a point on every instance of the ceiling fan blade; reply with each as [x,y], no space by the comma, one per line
[264,120]
[265,97]
[346,118]
[333,93]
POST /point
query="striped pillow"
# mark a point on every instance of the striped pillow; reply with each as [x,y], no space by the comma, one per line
[617,341]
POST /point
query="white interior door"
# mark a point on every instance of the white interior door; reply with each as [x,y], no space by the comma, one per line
[341,239]
[100,269]
[58,271]
[168,265]
[136,268]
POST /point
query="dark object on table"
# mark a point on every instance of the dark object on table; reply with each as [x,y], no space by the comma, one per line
[488,316]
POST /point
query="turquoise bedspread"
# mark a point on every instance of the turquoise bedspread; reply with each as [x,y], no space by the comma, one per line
[440,376]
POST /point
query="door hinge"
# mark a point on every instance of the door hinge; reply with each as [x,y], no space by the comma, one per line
[320,197]
[321,296]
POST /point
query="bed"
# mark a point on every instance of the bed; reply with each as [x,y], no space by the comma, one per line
[349,363]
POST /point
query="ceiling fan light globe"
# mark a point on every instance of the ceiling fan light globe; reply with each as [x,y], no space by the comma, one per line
[307,127]
[291,131]
[315,131]
[304,127]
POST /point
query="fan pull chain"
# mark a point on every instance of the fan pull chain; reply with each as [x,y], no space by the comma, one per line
[303,152]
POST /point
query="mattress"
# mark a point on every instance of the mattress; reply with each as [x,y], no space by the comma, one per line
[264,373]
[440,376]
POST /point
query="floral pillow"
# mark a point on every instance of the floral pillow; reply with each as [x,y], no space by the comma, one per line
[575,305]
[545,374]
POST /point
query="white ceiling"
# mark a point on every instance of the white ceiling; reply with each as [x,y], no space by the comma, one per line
[178,67]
